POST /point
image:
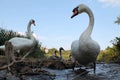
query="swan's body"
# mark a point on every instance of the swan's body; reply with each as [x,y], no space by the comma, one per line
[54,57]
[23,43]
[85,50]
[20,43]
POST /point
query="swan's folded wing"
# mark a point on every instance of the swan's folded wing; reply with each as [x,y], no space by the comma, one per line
[21,42]
[93,46]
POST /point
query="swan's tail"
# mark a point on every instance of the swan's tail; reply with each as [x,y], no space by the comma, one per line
[2,47]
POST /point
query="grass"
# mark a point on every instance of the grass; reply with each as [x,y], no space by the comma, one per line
[65,54]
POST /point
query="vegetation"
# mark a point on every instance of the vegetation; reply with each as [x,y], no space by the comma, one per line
[5,35]
[118,20]
[111,54]
[65,53]
[38,53]
[107,55]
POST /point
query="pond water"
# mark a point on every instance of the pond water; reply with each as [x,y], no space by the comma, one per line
[103,72]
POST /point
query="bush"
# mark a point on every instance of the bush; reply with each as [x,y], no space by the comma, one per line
[38,53]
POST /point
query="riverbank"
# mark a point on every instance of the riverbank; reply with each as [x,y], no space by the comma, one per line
[109,71]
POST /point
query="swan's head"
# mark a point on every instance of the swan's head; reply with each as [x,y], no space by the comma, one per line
[61,48]
[79,9]
[32,21]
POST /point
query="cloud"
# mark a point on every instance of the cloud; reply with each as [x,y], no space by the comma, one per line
[114,3]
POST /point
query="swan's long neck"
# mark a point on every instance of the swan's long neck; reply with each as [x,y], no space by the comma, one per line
[60,53]
[88,31]
[29,33]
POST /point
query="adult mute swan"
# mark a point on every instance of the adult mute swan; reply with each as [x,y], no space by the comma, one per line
[85,50]
[23,43]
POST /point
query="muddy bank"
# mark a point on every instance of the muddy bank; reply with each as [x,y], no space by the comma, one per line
[103,72]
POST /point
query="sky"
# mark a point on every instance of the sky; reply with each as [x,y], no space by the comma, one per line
[54,27]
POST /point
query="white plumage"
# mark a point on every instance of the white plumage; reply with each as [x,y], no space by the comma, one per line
[85,50]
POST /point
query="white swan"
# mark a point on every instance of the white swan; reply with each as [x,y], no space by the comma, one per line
[85,50]
[23,43]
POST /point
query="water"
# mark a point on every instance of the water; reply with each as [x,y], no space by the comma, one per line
[103,72]
[60,74]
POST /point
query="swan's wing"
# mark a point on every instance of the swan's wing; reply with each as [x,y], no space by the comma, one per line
[21,42]
[93,46]
[74,49]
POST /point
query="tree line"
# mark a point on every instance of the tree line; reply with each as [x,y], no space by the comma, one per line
[111,54]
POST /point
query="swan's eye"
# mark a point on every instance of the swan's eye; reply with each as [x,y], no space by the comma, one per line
[33,22]
[75,9]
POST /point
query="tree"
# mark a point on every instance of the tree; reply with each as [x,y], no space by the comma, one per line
[112,53]
[118,20]
[5,35]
